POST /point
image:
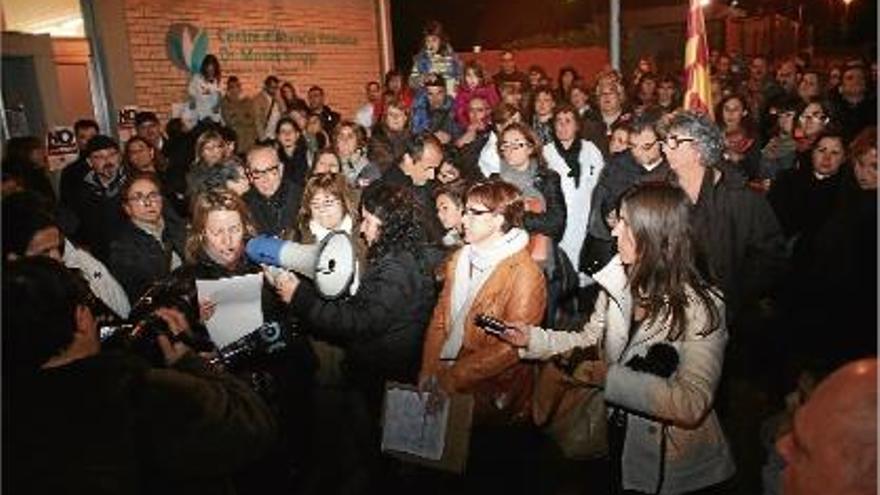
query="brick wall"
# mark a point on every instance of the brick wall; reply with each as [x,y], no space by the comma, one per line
[340,68]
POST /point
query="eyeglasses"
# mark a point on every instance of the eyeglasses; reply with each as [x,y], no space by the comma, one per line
[146,199]
[259,174]
[475,212]
[644,146]
[513,145]
[814,116]
[324,204]
[673,142]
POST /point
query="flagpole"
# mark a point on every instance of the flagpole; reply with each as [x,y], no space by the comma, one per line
[614,31]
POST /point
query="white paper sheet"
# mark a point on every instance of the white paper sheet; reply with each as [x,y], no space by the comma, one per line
[409,428]
[239,306]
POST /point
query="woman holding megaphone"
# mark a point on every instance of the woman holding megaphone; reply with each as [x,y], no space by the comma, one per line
[327,208]
[381,325]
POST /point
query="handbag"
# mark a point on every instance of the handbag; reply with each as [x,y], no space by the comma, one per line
[571,411]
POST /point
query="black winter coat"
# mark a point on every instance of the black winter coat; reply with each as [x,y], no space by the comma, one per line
[382,325]
[100,215]
[738,233]
[137,259]
[296,166]
[552,221]
[621,173]
[277,214]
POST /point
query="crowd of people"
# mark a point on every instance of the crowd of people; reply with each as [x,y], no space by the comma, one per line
[700,256]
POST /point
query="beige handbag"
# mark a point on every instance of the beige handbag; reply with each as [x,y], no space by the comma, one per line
[569,409]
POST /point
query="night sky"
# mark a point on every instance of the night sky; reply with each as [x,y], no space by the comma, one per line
[492,23]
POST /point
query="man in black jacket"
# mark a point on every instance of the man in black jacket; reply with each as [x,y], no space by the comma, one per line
[329,118]
[739,237]
[416,171]
[274,203]
[98,205]
[643,160]
[735,228]
[78,420]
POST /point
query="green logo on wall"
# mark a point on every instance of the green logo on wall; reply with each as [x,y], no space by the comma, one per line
[187,46]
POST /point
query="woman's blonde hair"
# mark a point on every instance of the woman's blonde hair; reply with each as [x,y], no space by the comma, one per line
[202,206]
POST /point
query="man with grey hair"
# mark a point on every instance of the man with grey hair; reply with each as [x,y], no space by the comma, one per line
[739,237]
[734,227]
[832,446]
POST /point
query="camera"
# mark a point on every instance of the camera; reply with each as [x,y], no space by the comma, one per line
[139,334]
[140,338]
[264,342]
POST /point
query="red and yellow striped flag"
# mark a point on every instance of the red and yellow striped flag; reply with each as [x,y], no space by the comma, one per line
[698,93]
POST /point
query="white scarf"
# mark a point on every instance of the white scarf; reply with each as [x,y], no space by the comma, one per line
[473,267]
[346,225]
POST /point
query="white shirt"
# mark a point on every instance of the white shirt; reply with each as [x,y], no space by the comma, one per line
[101,282]
[577,198]
[490,162]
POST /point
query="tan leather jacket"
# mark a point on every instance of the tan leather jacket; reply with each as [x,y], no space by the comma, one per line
[486,366]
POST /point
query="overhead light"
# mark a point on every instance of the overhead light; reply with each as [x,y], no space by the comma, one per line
[705,3]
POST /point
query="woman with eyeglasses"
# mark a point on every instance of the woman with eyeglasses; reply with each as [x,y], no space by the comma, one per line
[492,274]
[524,166]
[328,207]
[661,326]
[381,326]
[151,244]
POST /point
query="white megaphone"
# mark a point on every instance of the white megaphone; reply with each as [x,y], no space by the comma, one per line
[330,263]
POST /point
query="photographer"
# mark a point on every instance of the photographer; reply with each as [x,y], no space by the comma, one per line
[78,420]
